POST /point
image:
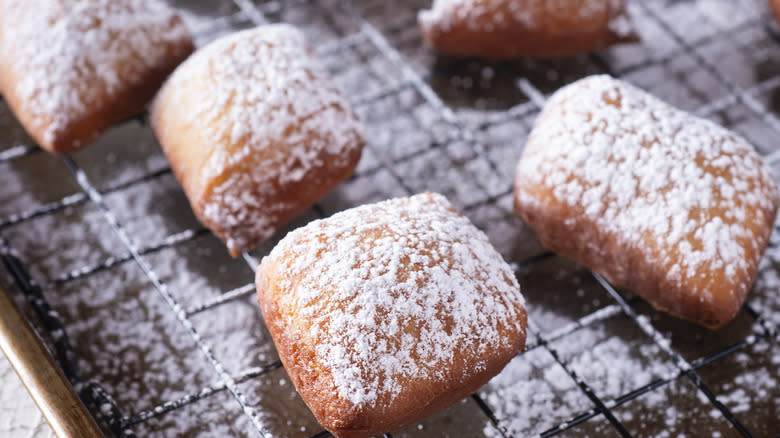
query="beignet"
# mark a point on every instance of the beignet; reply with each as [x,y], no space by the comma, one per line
[69,69]
[255,132]
[390,312]
[517,28]
[672,206]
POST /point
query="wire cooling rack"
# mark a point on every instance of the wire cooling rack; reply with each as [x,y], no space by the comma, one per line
[157,329]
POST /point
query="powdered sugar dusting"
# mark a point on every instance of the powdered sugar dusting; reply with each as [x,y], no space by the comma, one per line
[66,55]
[532,394]
[695,195]
[269,116]
[388,292]
[489,15]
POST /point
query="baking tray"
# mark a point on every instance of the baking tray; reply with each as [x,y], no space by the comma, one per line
[157,329]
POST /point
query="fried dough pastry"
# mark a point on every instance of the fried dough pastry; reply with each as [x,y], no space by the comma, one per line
[519,28]
[671,206]
[69,69]
[255,132]
[390,312]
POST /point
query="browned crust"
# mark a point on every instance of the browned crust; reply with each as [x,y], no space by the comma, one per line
[345,420]
[564,230]
[284,201]
[107,110]
[287,200]
[629,267]
[278,201]
[558,34]
[179,141]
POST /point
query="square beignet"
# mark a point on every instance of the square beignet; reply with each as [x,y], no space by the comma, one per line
[255,132]
[517,28]
[671,206]
[386,313]
[69,69]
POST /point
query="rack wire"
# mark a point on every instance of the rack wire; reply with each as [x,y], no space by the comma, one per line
[195,359]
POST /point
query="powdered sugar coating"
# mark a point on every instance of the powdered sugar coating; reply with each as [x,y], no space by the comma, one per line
[267,118]
[391,294]
[694,197]
[68,54]
[489,15]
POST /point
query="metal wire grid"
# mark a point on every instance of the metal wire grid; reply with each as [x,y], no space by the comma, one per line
[452,127]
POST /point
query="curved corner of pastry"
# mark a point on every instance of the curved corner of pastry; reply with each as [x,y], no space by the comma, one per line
[719,318]
[56,137]
[64,144]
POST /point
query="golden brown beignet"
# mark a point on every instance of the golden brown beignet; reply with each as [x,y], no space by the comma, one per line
[517,28]
[255,132]
[656,200]
[390,312]
[71,68]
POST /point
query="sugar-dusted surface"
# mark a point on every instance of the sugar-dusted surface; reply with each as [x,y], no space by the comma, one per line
[127,152]
[674,410]
[691,202]
[359,70]
[215,416]
[53,245]
[597,427]
[403,124]
[13,132]
[458,420]
[20,418]
[532,394]
[32,182]
[512,29]
[434,169]
[357,191]
[614,357]
[199,269]
[747,383]
[68,56]
[511,238]
[266,120]
[153,209]
[488,15]
[577,293]
[284,413]
[765,297]
[696,87]
[324,18]
[386,294]
[131,342]
[695,342]
[237,334]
